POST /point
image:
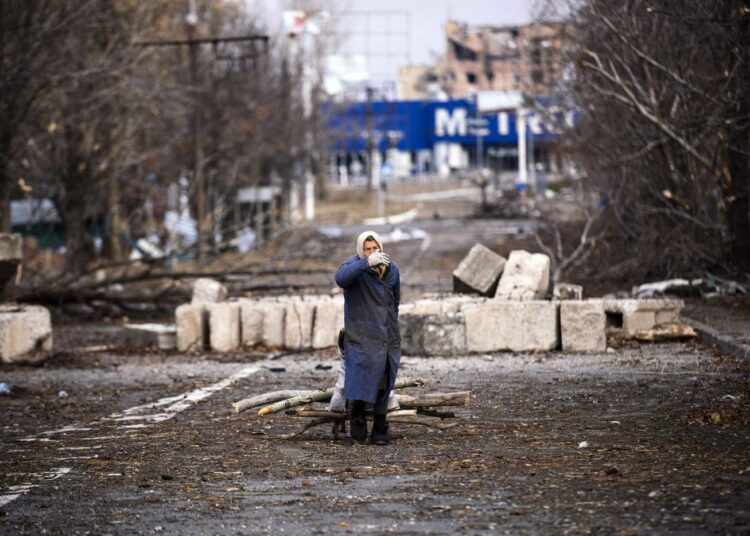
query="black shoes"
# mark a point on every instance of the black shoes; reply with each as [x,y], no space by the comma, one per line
[380,431]
[358,422]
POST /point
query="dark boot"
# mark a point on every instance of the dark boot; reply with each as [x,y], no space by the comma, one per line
[358,421]
[380,430]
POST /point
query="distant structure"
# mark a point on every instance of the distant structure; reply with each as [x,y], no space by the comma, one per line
[526,59]
[488,104]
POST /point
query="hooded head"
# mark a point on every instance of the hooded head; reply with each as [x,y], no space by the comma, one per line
[363,237]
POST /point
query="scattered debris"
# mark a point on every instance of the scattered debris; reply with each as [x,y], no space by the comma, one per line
[62,394]
[673,331]
[5,389]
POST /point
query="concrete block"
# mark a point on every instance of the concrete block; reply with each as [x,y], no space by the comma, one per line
[274,323]
[427,307]
[224,326]
[192,327]
[329,319]
[432,335]
[25,334]
[511,325]
[630,315]
[478,272]
[525,277]
[583,326]
[299,324]
[162,336]
[251,322]
[208,291]
[566,291]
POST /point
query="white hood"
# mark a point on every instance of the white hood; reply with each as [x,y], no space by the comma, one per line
[361,242]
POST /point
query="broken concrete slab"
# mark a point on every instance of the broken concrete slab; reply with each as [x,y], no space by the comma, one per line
[511,325]
[299,324]
[583,326]
[162,336]
[207,291]
[478,272]
[192,327]
[224,326]
[567,291]
[432,335]
[627,316]
[25,334]
[525,277]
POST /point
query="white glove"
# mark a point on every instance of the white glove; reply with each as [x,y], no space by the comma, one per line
[378,258]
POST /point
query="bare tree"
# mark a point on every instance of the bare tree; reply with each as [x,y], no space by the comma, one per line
[663,95]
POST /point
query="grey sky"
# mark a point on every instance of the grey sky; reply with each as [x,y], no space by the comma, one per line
[392,33]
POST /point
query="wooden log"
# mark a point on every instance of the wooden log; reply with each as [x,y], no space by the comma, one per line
[336,415]
[422,421]
[431,400]
[325,394]
[267,398]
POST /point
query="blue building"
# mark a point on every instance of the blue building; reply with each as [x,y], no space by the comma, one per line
[435,136]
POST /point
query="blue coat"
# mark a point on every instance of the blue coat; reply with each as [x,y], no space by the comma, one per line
[371,322]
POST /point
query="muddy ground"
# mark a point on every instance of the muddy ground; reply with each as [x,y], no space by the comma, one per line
[645,439]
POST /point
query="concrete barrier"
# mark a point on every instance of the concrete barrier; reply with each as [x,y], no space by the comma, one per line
[25,334]
[627,316]
[251,322]
[583,326]
[511,325]
[299,324]
[224,326]
[192,327]
[433,335]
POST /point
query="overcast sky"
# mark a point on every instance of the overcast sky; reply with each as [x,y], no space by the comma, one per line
[392,33]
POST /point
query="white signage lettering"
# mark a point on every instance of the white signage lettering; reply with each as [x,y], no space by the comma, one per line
[502,124]
[450,124]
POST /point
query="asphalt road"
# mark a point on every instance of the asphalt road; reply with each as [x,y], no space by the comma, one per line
[645,439]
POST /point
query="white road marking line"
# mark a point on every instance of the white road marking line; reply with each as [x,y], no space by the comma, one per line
[175,404]
[66,429]
[88,447]
[16,491]
[179,403]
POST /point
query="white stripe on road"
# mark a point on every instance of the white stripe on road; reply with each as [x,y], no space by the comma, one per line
[175,405]
[14,492]
[179,403]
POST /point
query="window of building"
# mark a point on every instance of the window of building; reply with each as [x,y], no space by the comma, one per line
[537,76]
[471,78]
[463,53]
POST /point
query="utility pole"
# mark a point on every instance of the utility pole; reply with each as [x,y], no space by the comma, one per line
[193,43]
[370,135]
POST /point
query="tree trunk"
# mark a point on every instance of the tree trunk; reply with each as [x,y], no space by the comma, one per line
[738,156]
[75,251]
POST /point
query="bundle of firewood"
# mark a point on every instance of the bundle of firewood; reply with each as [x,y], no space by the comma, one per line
[416,408]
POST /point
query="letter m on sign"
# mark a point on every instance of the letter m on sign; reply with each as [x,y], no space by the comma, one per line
[450,123]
